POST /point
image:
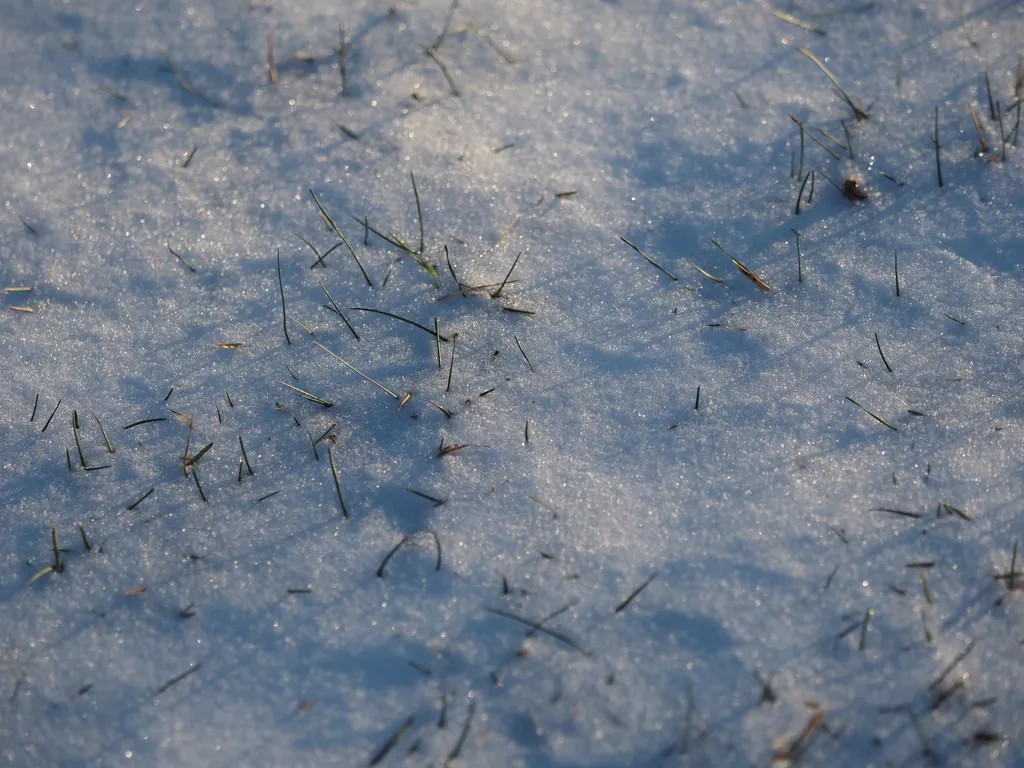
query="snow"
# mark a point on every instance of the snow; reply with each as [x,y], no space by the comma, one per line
[784,617]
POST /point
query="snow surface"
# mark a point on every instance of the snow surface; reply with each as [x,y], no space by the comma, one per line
[756,510]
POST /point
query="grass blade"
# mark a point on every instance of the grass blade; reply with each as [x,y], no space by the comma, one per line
[338,232]
[858,113]
[337,483]
[869,413]
[340,313]
[353,368]
[403,319]
[647,258]
[284,312]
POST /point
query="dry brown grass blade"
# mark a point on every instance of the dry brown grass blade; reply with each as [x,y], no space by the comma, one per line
[751,275]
